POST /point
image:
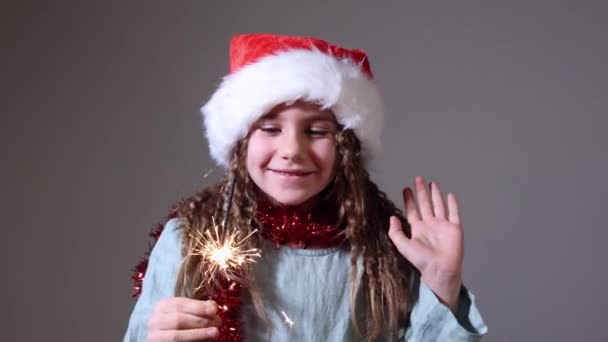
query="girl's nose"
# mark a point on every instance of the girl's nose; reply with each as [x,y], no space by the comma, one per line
[292,146]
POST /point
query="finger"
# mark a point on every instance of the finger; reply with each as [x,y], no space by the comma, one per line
[426,210]
[410,206]
[454,215]
[181,321]
[203,334]
[203,308]
[437,198]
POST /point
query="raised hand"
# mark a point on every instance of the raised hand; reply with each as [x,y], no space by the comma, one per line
[436,247]
[184,319]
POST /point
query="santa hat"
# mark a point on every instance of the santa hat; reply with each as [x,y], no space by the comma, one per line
[267,70]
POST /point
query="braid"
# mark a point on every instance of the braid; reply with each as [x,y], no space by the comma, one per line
[365,210]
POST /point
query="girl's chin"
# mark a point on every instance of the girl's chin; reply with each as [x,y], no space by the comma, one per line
[294,200]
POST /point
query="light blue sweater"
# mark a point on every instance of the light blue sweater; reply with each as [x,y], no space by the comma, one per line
[311,288]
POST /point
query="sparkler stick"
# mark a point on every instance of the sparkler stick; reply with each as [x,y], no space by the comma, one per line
[223,251]
[229,204]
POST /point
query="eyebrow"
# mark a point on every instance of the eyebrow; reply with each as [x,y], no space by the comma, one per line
[317,117]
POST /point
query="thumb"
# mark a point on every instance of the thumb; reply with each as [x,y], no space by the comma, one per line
[396,234]
[408,248]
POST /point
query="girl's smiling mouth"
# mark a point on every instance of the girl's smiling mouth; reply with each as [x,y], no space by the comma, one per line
[292,173]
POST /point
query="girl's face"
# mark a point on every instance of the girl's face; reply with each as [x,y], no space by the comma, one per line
[291,152]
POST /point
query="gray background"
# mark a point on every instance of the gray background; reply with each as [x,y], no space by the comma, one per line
[503,102]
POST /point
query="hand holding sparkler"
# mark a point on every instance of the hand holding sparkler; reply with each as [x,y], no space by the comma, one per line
[184,319]
[222,251]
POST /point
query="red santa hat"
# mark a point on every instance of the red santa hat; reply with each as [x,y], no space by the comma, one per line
[267,70]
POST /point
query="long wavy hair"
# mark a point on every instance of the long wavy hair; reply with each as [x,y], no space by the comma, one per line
[364,212]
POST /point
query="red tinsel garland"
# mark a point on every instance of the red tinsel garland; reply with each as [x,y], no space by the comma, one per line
[229,302]
[302,226]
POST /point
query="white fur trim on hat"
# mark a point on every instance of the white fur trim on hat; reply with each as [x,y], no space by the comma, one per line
[312,76]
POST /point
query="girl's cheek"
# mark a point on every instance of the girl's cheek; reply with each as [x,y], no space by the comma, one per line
[327,148]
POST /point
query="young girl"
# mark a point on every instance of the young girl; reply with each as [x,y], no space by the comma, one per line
[295,124]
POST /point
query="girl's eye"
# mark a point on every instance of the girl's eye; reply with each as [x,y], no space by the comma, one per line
[318,132]
[313,132]
[270,129]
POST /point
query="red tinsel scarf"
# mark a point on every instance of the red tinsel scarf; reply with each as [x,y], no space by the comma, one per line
[303,226]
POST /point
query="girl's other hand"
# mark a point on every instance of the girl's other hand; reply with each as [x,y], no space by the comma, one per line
[184,319]
[436,247]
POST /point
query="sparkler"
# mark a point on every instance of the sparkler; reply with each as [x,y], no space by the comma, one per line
[225,256]
[224,252]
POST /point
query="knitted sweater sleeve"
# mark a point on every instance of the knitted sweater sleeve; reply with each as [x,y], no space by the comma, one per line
[431,320]
[159,281]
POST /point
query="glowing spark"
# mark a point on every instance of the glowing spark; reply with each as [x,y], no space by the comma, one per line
[224,254]
[208,173]
[288,321]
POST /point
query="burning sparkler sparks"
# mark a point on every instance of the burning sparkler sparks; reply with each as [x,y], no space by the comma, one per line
[225,254]
[208,173]
[287,320]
